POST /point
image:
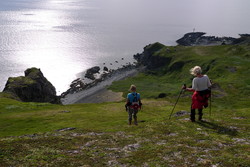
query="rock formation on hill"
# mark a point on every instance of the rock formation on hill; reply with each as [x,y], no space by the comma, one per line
[148,59]
[33,87]
[244,39]
[91,71]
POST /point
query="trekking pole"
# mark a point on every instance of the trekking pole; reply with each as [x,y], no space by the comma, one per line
[210,108]
[184,85]
[210,99]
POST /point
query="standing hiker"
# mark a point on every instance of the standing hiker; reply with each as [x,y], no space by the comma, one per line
[133,104]
[200,87]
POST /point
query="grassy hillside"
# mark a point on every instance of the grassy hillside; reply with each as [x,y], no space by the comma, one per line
[226,65]
[34,134]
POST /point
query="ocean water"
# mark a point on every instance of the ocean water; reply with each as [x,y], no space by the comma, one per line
[65,37]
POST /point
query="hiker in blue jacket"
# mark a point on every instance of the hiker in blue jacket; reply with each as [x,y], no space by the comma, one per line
[133,104]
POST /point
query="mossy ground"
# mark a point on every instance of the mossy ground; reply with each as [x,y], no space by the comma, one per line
[30,132]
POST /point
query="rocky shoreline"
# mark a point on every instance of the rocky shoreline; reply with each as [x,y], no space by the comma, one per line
[93,76]
[77,94]
[95,81]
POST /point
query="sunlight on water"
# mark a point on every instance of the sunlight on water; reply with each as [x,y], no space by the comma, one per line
[65,37]
[50,48]
[43,39]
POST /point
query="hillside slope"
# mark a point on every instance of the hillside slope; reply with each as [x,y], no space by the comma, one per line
[227,65]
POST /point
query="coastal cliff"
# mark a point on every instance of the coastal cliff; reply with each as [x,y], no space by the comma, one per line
[33,87]
[149,57]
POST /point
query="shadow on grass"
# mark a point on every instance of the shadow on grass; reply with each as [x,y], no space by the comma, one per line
[218,128]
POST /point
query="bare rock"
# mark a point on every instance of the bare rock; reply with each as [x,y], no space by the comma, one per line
[105,68]
[65,129]
[162,95]
[90,72]
[181,113]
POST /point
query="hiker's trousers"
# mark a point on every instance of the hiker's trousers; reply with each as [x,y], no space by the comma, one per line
[132,113]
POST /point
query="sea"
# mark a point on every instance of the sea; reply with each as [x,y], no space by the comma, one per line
[65,37]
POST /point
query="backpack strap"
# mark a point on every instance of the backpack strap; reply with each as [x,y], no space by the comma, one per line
[135,97]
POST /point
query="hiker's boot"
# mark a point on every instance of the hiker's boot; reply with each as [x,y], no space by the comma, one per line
[129,122]
[200,114]
[135,121]
[192,115]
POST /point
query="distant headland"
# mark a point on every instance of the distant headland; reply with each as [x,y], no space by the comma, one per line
[198,38]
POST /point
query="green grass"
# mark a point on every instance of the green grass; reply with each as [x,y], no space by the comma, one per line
[25,81]
[102,136]
[29,133]
[18,118]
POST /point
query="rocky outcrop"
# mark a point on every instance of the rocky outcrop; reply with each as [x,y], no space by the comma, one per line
[198,38]
[33,87]
[150,59]
[90,72]
[244,39]
[105,69]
